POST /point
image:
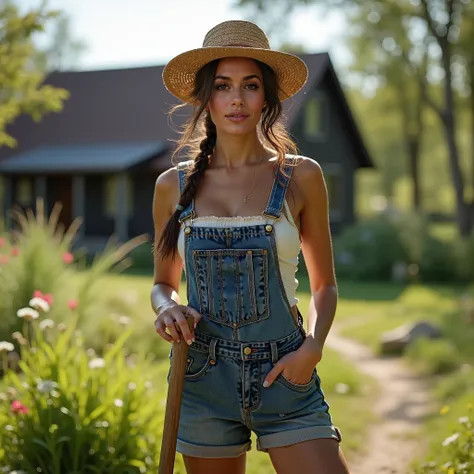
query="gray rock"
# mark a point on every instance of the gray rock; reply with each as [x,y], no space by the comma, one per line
[395,341]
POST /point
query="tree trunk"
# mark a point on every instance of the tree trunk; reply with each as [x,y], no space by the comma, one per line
[412,128]
[413,148]
[463,218]
[471,75]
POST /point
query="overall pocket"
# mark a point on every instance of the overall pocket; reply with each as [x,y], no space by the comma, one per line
[232,285]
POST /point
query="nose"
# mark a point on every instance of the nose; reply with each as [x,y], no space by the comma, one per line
[237,99]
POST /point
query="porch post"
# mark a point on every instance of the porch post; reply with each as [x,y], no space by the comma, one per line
[7,199]
[121,219]
[40,191]
[79,202]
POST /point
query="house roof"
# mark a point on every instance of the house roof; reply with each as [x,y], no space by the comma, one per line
[131,105]
[96,158]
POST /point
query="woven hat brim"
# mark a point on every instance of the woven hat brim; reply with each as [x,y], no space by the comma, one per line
[179,73]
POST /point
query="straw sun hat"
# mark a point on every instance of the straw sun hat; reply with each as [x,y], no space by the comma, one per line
[235,38]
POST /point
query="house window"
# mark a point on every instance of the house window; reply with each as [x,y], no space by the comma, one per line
[315,117]
[110,196]
[335,187]
[24,192]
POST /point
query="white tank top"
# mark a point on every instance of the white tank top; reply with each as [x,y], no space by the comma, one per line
[287,241]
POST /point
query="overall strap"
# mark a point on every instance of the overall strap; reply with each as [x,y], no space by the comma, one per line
[182,168]
[280,185]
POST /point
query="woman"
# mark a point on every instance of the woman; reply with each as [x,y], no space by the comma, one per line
[251,365]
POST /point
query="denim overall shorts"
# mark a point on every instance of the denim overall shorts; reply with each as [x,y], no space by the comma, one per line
[234,281]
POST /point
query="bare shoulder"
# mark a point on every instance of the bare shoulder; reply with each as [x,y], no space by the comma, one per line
[307,174]
[167,187]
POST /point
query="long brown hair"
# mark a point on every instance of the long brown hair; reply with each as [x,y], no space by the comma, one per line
[199,135]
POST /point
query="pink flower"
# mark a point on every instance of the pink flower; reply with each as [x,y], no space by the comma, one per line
[15,251]
[18,407]
[68,257]
[4,259]
[48,297]
[72,304]
[2,241]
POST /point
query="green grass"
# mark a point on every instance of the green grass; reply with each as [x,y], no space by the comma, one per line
[365,311]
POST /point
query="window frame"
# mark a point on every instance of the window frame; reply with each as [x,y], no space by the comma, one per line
[337,170]
[322,134]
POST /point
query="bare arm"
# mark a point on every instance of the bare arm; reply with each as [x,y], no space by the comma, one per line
[167,272]
[312,204]
[318,253]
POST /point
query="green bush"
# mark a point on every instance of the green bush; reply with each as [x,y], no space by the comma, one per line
[70,411]
[434,356]
[432,259]
[465,258]
[454,455]
[437,261]
[368,250]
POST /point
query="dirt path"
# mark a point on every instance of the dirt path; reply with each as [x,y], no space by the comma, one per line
[402,404]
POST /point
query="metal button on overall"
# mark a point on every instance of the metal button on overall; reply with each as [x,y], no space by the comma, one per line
[187,230]
[247,350]
[268,227]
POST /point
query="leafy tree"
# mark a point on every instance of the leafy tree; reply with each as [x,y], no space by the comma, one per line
[22,90]
[438,25]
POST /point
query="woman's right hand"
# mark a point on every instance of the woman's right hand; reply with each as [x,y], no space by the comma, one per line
[173,314]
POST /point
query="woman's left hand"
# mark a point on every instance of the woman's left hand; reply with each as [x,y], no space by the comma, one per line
[297,366]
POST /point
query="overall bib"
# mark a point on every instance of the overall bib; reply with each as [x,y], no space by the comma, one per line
[247,325]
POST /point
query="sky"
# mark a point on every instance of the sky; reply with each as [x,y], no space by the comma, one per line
[128,33]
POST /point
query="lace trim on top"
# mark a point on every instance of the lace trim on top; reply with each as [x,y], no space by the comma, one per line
[224,221]
[227,221]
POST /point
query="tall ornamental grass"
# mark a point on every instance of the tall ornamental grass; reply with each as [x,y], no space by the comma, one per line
[40,258]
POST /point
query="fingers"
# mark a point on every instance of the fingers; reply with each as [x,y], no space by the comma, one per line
[273,374]
[183,326]
[172,324]
[160,329]
[197,316]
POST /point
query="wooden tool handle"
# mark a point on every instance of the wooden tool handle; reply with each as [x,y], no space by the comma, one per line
[173,404]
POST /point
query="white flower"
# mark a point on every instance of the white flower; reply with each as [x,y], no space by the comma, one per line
[96,363]
[27,313]
[450,439]
[118,402]
[39,304]
[342,388]
[124,320]
[46,324]
[6,346]
[464,420]
[46,386]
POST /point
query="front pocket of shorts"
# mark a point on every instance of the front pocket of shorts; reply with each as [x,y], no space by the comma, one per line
[297,387]
[198,365]
[232,285]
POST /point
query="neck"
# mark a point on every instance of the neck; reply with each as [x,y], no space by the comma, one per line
[236,151]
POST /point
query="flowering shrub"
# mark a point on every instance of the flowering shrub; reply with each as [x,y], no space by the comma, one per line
[37,261]
[455,455]
[67,410]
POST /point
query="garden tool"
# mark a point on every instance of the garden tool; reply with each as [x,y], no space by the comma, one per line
[173,403]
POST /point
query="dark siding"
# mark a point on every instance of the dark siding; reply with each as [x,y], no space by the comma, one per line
[332,151]
[141,221]
[96,223]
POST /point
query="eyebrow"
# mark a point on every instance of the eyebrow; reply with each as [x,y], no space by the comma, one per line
[246,78]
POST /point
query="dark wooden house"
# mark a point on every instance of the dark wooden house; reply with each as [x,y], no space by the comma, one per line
[101,155]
